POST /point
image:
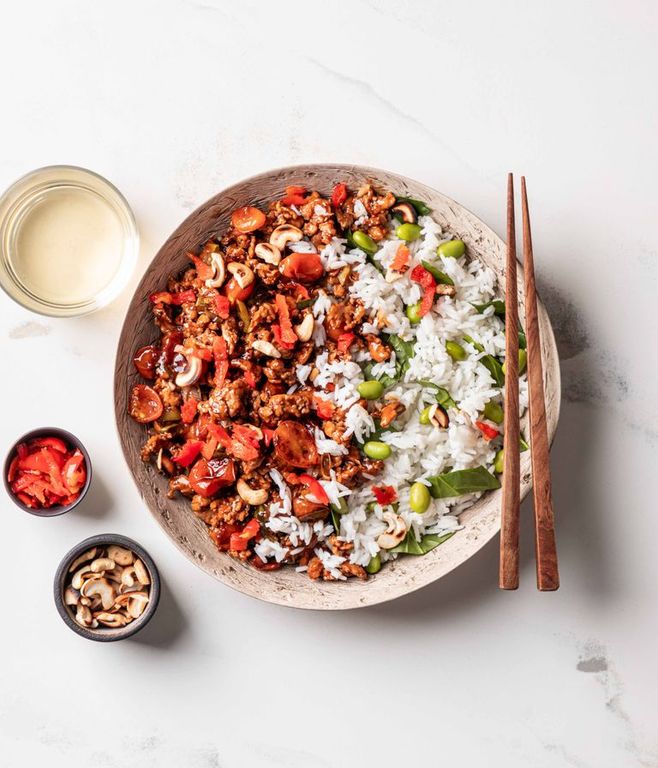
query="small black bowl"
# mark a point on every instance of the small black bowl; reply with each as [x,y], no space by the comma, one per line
[106,634]
[68,438]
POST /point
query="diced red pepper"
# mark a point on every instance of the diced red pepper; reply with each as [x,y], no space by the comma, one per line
[316,491]
[401,260]
[74,472]
[489,432]
[188,453]
[427,282]
[221,535]
[21,450]
[288,334]
[221,435]
[165,297]
[27,500]
[268,436]
[344,341]
[202,353]
[50,442]
[246,434]
[13,469]
[188,411]
[278,338]
[244,451]
[339,195]
[222,306]
[209,448]
[385,494]
[204,271]
[324,408]
[249,377]
[220,353]
[294,196]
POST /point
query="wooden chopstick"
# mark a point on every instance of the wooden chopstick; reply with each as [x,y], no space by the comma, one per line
[545,550]
[508,577]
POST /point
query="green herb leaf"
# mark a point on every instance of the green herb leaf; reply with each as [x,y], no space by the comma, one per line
[419,205]
[335,518]
[385,380]
[523,446]
[439,276]
[475,344]
[497,304]
[522,339]
[443,397]
[304,303]
[495,369]
[462,481]
[410,546]
[404,351]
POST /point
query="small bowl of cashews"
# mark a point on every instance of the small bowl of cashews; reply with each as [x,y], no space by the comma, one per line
[107,588]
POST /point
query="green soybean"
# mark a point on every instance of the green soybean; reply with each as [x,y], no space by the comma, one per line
[456,351]
[374,565]
[523,361]
[370,390]
[373,449]
[364,242]
[419,498]
[453,249]
[424,417]
[499,461]
[494,412]
[408,232]
[413,313]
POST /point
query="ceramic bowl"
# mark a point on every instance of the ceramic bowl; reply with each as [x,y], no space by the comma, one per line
[481,521]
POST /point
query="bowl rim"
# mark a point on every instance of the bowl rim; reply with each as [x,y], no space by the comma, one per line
[68,437]
[326,596]
[108,635]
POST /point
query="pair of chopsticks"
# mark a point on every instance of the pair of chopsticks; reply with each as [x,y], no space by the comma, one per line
[545,551]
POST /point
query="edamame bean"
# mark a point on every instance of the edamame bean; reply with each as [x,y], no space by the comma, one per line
[499,461]
[413,313]
[456,351]
[453,249]
[408,232]
[373,449]
[364,242]
[523,361]
[374,565]
[419,498]
[424,417]
[370,390]
[494,412]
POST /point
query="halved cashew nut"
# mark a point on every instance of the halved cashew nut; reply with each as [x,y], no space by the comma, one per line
[128,577]
[102,564]
[439,416]
[250,495]
[265,348]
[305,329]
[192,372]
[137,604]
[395,532]
[120,555]
[284,234]
[243,274]
[111,619]
[71,596]
[83,616]
[85,557]
[103,589]
[217,263]
[268,253]
[141,573]
[79,576]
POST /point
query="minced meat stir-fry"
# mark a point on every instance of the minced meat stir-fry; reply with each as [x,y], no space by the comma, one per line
[225,405]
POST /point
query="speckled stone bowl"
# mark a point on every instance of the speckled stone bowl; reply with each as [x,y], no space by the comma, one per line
[287,587]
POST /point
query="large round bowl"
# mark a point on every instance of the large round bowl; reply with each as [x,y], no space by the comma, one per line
[481,522]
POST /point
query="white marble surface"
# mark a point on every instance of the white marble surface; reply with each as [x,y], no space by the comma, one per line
[175,100]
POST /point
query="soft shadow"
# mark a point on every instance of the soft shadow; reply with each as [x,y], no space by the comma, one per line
[168,625]
[580,532]
[98,501]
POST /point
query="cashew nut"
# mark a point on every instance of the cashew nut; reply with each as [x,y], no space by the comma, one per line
[103,589]
[112,619]
[243,274]
[217,262]
[268,253]
[128,577]
[265,348]
[102,564]
[395,532]
[83,616]
[79,576]
[284,234]
[192,372]
[438,416]
[90,554]
[251,495]
[137,604]
[71,596]
[141,573]
[305,329]
[120,555]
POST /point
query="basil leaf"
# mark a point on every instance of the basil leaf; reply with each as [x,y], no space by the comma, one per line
[385,380]
[439,276]
[497,304]
[442,395]
[304,303]
[462,481]
[375,263]
[475,344]
[522,339]
[495,369]
[419,205]
[335,518]
[410,546]
[404,350]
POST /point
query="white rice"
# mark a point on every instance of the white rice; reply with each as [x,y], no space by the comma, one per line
[419,451]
